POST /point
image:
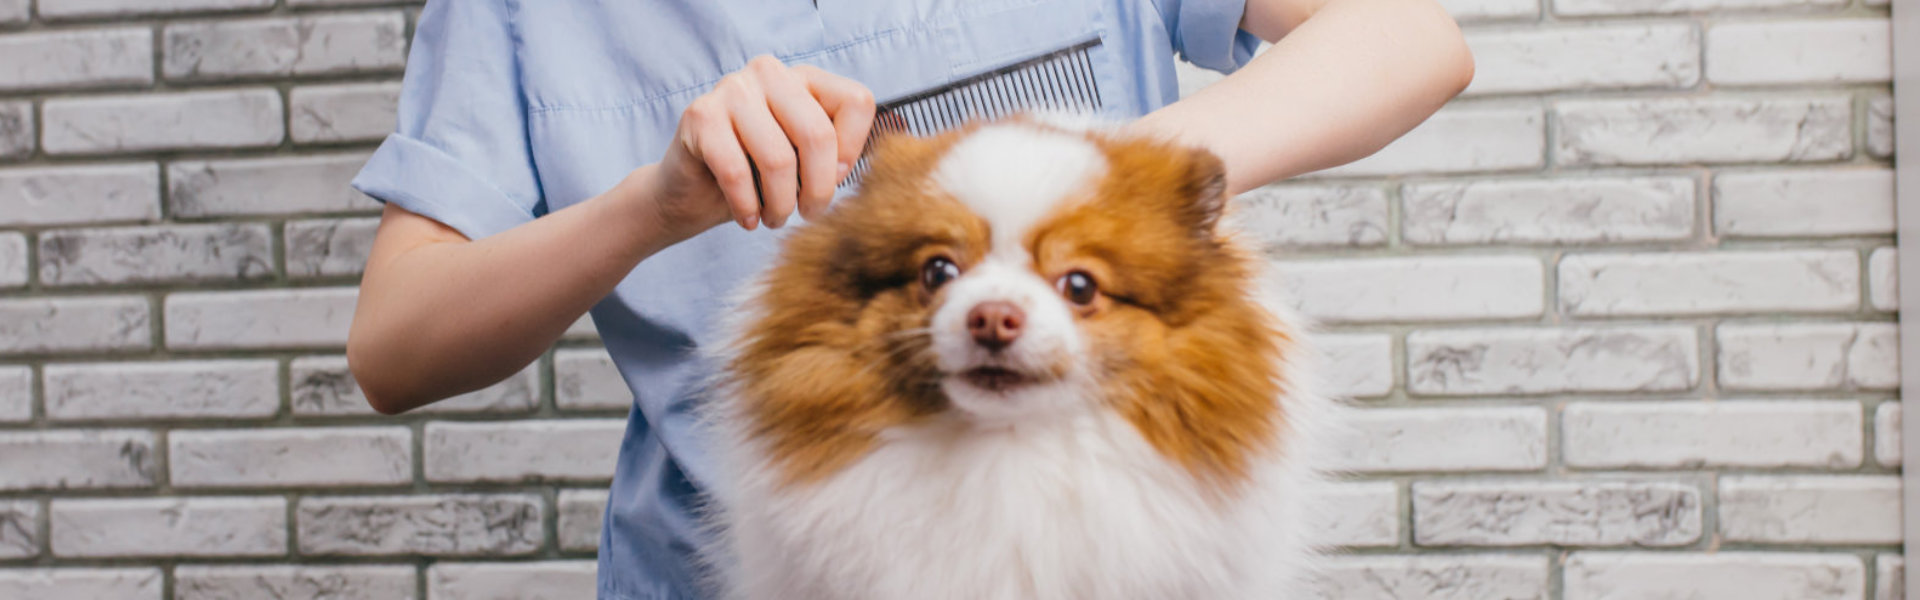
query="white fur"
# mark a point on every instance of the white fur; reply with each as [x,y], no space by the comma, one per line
[1014,175]
[1048,494]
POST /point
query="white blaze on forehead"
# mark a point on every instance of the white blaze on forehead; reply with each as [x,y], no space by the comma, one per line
[1013,175]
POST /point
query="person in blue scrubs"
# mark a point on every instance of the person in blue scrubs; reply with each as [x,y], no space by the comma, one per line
[556,156]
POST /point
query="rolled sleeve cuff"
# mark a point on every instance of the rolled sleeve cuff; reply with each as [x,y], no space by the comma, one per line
[1210,35]
[427,181]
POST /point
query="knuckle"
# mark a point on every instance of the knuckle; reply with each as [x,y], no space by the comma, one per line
[766,63]
[778,162]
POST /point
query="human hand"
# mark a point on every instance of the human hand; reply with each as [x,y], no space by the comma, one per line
[801,126]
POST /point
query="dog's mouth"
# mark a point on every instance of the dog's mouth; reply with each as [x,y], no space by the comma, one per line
[997,379]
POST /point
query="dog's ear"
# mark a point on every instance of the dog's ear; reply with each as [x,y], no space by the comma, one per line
[1205,188]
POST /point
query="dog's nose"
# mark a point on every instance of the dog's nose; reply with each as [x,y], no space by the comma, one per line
[995,324]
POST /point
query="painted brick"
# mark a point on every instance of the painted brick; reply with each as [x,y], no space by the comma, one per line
[289,582]
[13,12]
[1285,216]
[16,393]
[76,58]
[1709,282]
[1357,515]
[1462,139]
[511,581]
[1810,509]
[1552,360]
[1880,133]
[1883,279]
[529,451]
[1804,203]
[329,456]
[330,247]
[581,329]
[1809,356]
[1427,439]
[130,527]
[87,459]
[1356,365]
[1702,130]
[74,324]
[66,9]
[1485,10]
[267,186]
[1818,433]
[19,529]
[17,130]
[309,3]
[1800,51]
[359,112]
[233,389]
[68,584]
[1449,577]
[586,379]
[163,254]
[1574,210]
[1622,7]
[1890,582]
[13,260]
[200,120]
[439,525]
[1416,289]
[323,386]
[287,318]
[1719,576]
[1561,513]
[79,194]
[317,44]
[1886,435]
[581,514]
[1531,59]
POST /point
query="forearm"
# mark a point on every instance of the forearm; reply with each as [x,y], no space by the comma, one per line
[1340,85]
[445,316]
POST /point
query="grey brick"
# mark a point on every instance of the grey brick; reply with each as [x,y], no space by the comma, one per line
[1356,365]
[1353,515]
[1883,279]
[1859,509]
[294,582]
[89,459]
[439,525]
[13,260]
[1880,126]
[76,58]
[1538,59]
[1887,447]
[79,194]
[323,386]
[19,529]
[1539,211]
[1418,439]
[74,324]
[1703,130]
[200,120]
[511,581]
[316,456]
[161,254]
[1719,576]
[1738,282]
[1671,435]
[1891,577]
[74,583]
[13,12]
[267,186]
[16,393]
[67,9]
[359,112]
[285,318]
[1828,202]
[1284,216]
[1425,288]
[1561,513]
[581,514]
[574,450]
[329,247]
[1552,360]
[317,44]
[1462,139]
[1450,577]
[1809,356]
[586,379]
[155,527]
[16,130]
[1621,7]
[233,389]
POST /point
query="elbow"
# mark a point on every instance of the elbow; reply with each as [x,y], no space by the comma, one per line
[1455,66]
[377,383]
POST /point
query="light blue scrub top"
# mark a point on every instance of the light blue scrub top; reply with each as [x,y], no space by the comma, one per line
[512,109]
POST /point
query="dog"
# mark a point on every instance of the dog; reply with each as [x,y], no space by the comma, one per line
[1024,360]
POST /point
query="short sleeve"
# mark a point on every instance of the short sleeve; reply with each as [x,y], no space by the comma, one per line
[1207,32]
[459,153]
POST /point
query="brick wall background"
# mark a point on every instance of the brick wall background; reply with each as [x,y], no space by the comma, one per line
[1620,319]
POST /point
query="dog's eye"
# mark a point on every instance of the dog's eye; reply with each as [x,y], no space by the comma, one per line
[1078,287]
[937,272]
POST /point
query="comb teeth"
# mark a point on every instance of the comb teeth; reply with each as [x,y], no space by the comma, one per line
[1061,80]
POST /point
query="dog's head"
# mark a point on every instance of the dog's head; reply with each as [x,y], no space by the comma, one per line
[1009,274]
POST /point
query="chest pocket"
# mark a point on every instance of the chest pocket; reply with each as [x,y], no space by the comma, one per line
[984,38]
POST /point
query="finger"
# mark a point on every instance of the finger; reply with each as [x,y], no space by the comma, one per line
[811,133]
[720,149]
[848,103]
[767,146]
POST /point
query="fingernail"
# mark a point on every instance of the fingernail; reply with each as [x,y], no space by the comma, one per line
[750,222]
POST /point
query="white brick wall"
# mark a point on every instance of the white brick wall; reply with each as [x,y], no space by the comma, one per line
[1619,324]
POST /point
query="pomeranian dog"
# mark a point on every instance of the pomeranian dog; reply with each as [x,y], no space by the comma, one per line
[1026,360]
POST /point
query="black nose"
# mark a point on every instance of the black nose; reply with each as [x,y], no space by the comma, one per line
[995,324]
